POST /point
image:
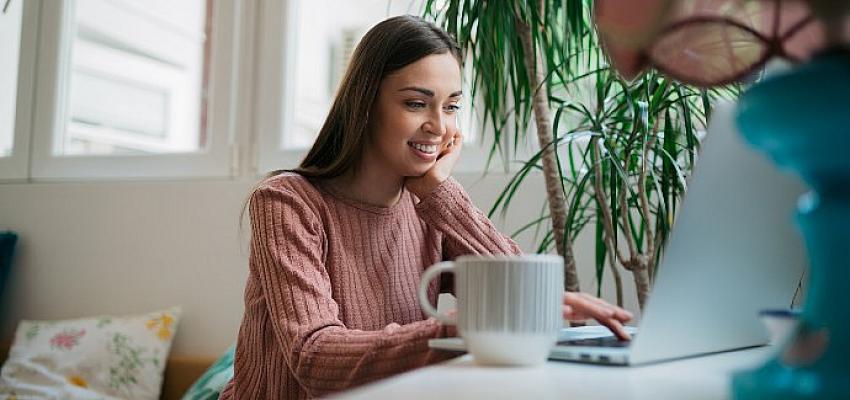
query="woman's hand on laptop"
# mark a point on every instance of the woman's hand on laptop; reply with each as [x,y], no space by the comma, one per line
[581,306]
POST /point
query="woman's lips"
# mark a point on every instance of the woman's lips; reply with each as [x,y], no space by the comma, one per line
[421,153]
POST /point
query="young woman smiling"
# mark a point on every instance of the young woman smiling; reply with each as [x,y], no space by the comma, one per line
[339,243]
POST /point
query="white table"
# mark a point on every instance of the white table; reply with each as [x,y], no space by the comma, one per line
[706,377]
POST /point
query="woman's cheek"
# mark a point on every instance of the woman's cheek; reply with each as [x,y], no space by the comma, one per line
[452,124]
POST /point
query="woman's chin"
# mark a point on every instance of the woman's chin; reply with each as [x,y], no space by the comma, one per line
[416,174]
[415,171]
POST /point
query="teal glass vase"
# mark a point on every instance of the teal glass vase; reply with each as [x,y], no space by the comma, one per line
[801,119]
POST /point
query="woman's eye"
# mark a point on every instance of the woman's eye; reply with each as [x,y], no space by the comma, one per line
[416,104]
[453,108]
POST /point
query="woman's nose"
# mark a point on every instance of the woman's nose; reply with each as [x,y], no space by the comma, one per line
[436,124]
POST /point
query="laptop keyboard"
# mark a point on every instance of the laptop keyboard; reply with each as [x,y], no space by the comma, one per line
[606,341]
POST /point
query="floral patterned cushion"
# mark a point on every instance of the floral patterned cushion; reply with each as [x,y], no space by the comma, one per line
[90,358]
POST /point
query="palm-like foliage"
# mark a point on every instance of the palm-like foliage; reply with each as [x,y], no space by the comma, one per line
[618,153]
[627,150]
[516,57]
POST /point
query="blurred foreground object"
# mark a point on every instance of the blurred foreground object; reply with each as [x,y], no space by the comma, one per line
[799,118]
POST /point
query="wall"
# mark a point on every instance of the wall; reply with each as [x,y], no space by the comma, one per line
[132,247]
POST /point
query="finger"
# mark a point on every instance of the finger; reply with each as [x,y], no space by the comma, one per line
[451,143]
[446,148]
[619,313]
[577,317]
[606,314]
[584,315]
[623,315]
[617,328]
[571,314]
[598,311]
[457,140]
[568,312]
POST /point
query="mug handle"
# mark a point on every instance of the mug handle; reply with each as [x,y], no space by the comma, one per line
[431,273]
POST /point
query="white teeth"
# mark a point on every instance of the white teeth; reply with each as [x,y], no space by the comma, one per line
[425,148]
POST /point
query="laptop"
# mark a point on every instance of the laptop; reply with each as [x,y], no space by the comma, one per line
[733,250]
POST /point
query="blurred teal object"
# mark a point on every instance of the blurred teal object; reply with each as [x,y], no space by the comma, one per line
[212,382]
[7,251]
[802,120]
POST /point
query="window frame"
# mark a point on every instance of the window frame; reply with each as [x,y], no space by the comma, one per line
[251,83]
[15,167]
[56,20]
[275,67]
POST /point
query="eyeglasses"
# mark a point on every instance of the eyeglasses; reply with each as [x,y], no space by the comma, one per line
[708,42]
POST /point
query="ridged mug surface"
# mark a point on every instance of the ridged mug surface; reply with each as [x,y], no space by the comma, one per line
[509,307]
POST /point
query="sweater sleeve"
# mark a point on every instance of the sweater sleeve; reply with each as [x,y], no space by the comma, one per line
[466,230]
[320,351]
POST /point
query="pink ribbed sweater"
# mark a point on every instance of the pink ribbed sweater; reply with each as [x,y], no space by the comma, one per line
[330,301]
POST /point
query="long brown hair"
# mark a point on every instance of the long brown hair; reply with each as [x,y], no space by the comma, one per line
[386,48]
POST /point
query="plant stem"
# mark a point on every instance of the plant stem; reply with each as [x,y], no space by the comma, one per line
[641,277]
[554,186]
[602,201]
[644,205]
[607,223]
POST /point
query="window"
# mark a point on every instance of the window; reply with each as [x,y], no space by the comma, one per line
[130,89]
[315,53]
[137,79]
[153,89]
[10,31]
[15,88]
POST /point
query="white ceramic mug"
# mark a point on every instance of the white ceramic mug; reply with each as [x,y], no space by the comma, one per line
[509,308]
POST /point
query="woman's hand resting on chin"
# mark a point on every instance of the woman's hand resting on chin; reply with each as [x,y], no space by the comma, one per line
[442,169]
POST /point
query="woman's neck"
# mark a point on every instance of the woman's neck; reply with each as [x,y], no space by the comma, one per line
[370,185]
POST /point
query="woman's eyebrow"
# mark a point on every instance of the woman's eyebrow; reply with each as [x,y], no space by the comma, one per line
[427,92]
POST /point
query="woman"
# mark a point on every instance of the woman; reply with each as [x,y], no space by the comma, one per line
[338,244]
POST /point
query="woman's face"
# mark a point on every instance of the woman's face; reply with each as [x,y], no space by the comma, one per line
[415,115]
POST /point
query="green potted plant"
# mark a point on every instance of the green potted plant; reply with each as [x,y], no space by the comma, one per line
[614,154]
